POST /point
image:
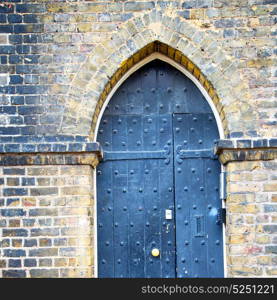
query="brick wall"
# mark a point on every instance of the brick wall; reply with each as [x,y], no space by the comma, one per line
[47,47]
[46,221]
[251,231]
[58,62]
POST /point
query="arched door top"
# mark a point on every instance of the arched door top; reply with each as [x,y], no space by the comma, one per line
[162,58]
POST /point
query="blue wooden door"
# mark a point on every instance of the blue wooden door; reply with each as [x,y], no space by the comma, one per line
[157,187]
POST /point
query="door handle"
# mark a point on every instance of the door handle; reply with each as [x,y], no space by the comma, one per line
[155,252]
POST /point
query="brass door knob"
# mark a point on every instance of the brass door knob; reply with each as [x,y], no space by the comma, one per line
[155,252]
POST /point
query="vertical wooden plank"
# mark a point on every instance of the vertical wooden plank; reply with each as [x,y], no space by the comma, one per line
[105,206]
[198,246]
[152,200]
[148,88]
[120,196]
[182,193]
[166,196]
[213,203]
[135,201]
[179,101]
[164,90]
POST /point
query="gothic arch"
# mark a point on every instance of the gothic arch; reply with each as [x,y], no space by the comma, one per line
[184,43]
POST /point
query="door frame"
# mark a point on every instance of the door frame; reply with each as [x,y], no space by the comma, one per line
[136,67]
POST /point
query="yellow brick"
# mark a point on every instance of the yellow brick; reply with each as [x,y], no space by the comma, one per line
[56,7]
[237,229]
[253,22]
[58,181]
[237,239]
[43,171]
[29,201]
[84,241]
[259,176]
[74,211]
[264,260]
[66,221]
[61,38]
[17,243]
[84,27]
[235,219]
[246,271]
[237,250]
[240,198]
[271,271]
[72,262]
[258,63]
[73,241]
[243,166]
[243,260]
[14,203]
[236,188]
[249,219]
[84,261]
[259,228]
[79,170]
[61,262]
[76,190]
[238,260]
[249,208]
[262,239]
[81,201]
[274,219]
[270,187]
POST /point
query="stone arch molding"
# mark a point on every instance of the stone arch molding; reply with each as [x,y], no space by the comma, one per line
[185,43]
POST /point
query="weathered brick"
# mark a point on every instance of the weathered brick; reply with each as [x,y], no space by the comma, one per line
[69,251]
[45,232]
[14,253]
[43,212]
[15,192]
[14,263]
[60,262]
[43,252]
[3,263]
[137,6]
[270,228]
[45,262]
[14,223]
[45,242]
[30,263]
[48,171]
[12,202]
[44,273]
[14,273]
[246,271]
[14,171]
[12,212]
[43,191]
[15,232]
[271,249]
[30,243]
[270,187]
[270,208]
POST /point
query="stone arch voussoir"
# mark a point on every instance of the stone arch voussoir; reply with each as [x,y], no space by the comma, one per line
[176,38]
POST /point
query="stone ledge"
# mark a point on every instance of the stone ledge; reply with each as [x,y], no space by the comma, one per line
[47,144]
[246,149]
[85,158]
[246,144]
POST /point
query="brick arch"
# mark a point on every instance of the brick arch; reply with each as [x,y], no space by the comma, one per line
[186,44]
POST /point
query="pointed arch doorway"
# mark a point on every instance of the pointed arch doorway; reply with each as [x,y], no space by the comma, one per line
[158,186]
